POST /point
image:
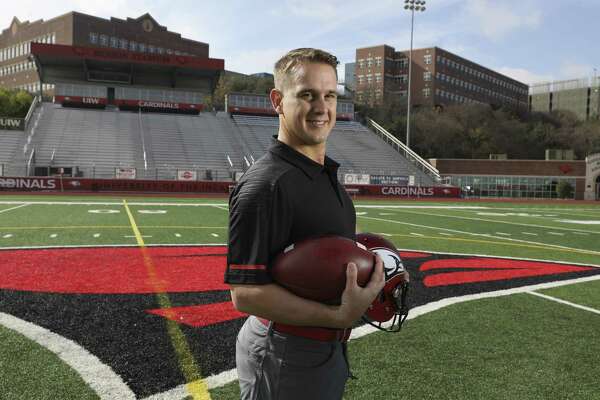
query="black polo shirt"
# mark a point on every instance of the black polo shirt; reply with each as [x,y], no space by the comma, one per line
[283,198]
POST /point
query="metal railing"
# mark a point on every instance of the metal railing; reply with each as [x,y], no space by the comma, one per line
[410,155]
[32,107]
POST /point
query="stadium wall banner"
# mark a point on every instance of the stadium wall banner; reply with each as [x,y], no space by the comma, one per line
[89,101]
[49,184]
[12,124]
[136,185]
[389,180]
[125,173]
[186,175]
[405,191]
[357,179]
[106,54]
[159,105]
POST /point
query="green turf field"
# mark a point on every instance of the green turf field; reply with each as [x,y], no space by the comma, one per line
[520,346]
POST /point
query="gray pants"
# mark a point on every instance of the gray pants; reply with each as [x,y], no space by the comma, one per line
[276,366]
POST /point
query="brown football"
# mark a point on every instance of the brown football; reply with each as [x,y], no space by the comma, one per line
[316,268]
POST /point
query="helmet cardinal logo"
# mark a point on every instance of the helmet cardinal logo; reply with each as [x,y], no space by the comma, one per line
[391,261]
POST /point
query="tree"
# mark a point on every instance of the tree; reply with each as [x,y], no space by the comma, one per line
[14,103]
[231,82]
[564,190]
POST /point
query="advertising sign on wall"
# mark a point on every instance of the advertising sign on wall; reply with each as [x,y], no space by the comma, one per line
[186,175]
[389,180]
[357,179]
[125,173]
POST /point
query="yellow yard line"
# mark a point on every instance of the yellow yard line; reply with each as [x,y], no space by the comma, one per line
[195,385]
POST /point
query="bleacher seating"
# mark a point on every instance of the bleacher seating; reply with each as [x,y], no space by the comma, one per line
[215,145]
[9,144]
[353,145]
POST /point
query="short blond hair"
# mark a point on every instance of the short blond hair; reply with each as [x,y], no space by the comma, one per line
[288,64]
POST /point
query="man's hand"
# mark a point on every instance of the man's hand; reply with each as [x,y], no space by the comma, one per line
[355,299]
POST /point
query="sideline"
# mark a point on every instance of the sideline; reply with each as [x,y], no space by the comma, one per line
[97,375]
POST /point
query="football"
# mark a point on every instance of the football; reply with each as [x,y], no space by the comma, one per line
[316,268]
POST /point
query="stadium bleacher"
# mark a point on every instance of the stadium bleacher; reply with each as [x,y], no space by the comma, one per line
[95,142]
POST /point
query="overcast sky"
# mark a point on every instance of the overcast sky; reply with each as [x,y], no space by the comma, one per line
[529,40]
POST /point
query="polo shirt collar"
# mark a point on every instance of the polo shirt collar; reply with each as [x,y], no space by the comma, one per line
[311,168]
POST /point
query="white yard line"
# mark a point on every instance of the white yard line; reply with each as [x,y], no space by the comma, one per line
[568,303]
[499,222]
[222,208]
[14,208]
[99,376]
[503,234]
[556,233]
[529,233]
[484,235]
[393,206]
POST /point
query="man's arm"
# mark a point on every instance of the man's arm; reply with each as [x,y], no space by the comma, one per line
[276,303]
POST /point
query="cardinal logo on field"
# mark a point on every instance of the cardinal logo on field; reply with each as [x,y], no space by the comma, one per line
[391,261]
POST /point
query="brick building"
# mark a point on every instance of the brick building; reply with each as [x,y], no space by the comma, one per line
[438,78]
[143,34]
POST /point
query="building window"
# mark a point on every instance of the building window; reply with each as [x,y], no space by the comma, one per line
[114,42]
[123,43]
[103,40]
[160,50]
[142,47]
[427,76]
[132,46]
[93,38]
[426,92]
[151,49]
[403,63]
[378,61]
[427,58]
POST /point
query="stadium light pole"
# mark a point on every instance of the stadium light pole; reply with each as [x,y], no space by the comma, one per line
[412,6]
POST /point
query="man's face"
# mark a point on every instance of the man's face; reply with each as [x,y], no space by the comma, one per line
[308,107]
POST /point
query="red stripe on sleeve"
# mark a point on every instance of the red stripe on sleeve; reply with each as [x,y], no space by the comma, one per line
[248,267]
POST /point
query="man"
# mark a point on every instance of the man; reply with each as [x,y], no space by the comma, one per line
[291,347]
